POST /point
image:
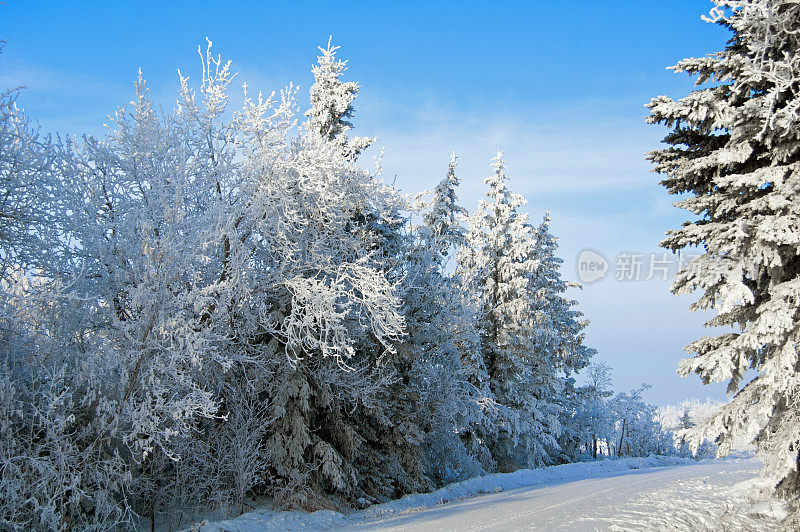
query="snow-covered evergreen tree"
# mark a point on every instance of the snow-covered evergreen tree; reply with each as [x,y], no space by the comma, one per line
[558,327]
[556,331]
[498,261]
[734,150]
[443,220]
[314,298]
[441,332]
[332,103]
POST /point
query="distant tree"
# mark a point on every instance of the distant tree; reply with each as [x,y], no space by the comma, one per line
[733,153]
[635,426]
[678,419]
[592,414]
[686,421]
[598,378]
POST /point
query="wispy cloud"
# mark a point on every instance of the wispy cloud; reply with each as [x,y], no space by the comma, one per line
[46,80]
[572,147]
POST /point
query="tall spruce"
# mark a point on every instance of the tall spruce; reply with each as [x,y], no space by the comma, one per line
[735,152]
[498,261]
[557,336]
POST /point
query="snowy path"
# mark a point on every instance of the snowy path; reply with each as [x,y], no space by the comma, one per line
[686,497]
[654,493]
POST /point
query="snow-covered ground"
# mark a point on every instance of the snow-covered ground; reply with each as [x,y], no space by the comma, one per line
[655,493]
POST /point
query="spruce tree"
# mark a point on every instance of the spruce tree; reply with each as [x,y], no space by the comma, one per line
[441,329]
[443,219]
[558,327]
[734,156]
[556,334]
[332,103]
[384,436]
[498,260]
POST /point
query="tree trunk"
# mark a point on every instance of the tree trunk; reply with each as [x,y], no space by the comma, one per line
[621,438]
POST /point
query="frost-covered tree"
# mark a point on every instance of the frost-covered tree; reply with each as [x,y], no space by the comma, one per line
[391,430]
[591,415]
[443,220]
[558,328]
[29,188]
[635,429]
[433,379]
[332,103]
[117,322]
[141,225]
[683,417]
[556,331]
[311,296]
[734,152]
[49,477]
[442,337]
[498,262]
[442,234]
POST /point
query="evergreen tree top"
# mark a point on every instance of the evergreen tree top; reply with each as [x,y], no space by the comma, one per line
[332,103]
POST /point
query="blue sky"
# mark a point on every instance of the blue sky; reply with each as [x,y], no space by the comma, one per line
[559,86]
